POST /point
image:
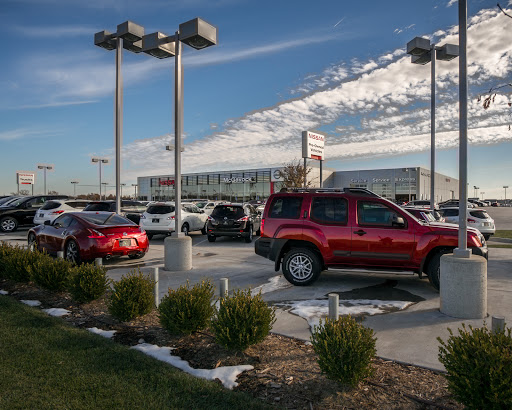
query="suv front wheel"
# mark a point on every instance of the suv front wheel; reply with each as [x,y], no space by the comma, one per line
[301,266]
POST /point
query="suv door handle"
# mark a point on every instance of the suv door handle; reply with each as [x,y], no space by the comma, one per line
[360,232]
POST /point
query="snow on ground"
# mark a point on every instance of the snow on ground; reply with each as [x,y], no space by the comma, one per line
[227,374]
[105,333]
[275,283]
[3,292]
[314,310]
[31,302]
[57,312]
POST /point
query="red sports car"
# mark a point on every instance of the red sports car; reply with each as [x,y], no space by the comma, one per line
[88,235]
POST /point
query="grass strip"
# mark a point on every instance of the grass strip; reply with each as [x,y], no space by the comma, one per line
[503,234]
[499,246]
[46,363]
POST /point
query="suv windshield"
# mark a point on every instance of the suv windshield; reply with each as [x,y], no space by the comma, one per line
[230,212]
[160,209]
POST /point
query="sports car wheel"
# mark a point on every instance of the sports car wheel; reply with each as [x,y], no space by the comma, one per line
[32,242]
[72,252]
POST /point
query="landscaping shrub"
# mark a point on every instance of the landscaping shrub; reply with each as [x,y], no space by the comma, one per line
[185,310]
[88,282]
[5,251]
[132,296]
[17,262]
[242,320]
[345,349]
[479,366]
[50,273]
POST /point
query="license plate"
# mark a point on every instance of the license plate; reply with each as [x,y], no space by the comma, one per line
[487,224]
[155,221]
[125,242]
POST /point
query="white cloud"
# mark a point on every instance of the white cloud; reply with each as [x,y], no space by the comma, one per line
[451,3]
[387,105]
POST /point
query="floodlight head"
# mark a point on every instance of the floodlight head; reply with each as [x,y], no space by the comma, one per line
[198,34]
[95,160]
[105,160]
[130,31]
[75,182]
[135,47]
[422,59]
[171,148]
[104,40]
[158,45]
[447,52]
[418,46]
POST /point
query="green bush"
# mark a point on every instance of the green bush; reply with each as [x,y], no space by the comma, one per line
[5,252]
[185,310]
[479,366]
[18,262]
[50,273]
[242,320]
[132,296]
[345,349]
[88,282]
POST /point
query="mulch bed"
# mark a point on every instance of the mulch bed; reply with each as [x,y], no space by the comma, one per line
[285,374]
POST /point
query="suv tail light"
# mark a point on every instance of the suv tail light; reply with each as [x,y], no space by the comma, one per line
[94,234]
[171,218]
[210,218]
[262,225]
[57,212]
[243,219]
[471,221]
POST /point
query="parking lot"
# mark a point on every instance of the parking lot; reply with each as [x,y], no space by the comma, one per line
[401,308]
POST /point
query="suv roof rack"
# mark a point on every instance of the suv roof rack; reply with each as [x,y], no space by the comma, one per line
[359,191]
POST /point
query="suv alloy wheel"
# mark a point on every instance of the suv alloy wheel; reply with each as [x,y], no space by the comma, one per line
[301,266]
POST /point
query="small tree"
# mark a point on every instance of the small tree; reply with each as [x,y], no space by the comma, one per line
[294,173]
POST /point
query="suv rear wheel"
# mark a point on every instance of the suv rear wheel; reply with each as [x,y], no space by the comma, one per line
[301,266]
[248,238]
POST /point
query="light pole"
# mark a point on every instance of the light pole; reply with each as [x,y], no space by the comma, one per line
[128,36]
[476,191]
[104,190]
[482,193]
[198,34]
[505,188]
[135,195]
[74,187]
[45,167]
[100,161]
[122,185]
[423,52]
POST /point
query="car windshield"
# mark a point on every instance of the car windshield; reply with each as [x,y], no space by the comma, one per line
[201,205]
[109,219]
[15,202]
[160,209]
[6,200]
[429,217]
[231,212]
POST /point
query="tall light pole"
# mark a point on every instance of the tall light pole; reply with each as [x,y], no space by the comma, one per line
[74,187]
[198,34]
[482,193]
[423,52]
[104,190]
[505,188]
[476,191]
[128,36]
[45,167]
[135,195]
[122,185]
[100,161]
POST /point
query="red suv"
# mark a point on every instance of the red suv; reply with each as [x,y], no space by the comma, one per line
[308,231]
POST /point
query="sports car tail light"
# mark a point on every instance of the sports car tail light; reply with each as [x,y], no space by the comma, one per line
[243,219]
[262,225]
[57,212]
[94,234]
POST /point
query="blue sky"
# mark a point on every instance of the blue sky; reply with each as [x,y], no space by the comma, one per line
[279,68]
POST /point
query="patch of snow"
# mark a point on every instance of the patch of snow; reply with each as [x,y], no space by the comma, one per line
[57,312]
[314,310]
[3,292]
[31,302]
[275,283]
[227,374]
[105,333]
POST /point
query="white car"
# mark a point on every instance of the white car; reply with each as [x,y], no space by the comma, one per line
[56,207]
[159,219]
[477,218]
[207,206]
[422,204]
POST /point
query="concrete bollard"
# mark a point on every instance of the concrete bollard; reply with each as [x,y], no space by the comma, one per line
[60,254]
[155,290]
[334,306]
[498,324]
[463,287]
[224,287]
[178,253]
[98,261]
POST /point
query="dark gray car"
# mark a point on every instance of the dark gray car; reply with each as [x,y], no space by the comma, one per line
[235,220]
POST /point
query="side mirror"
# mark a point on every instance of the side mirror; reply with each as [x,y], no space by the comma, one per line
[47,222]
[399,222]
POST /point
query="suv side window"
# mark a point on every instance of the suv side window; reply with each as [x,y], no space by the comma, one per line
[285,207]
[329,210]
[376,214]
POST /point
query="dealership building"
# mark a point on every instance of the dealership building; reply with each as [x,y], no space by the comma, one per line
[398,184]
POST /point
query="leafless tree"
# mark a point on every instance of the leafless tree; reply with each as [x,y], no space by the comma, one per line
[294,173]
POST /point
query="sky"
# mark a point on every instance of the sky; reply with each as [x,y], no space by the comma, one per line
[279,68]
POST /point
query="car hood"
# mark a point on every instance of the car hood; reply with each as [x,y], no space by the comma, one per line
[448,227]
